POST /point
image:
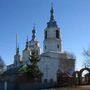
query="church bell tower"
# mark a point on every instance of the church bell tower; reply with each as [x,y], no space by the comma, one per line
[52,39]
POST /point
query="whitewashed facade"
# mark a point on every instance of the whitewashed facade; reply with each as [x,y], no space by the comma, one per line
[53,59]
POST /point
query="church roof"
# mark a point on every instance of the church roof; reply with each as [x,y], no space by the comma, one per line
[11,71]
[52,22]
[65,74]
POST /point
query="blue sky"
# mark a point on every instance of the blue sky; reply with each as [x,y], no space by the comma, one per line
[18,16]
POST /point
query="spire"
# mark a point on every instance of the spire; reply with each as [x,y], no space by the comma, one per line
[27,43]
[33,33]
[17,51]
[52,22]
[16,41]
[17,46]
[52,13]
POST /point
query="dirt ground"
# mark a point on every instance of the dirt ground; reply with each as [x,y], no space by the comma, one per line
[87,87]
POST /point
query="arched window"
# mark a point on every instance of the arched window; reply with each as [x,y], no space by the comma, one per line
[57,34]
[45,34]
[57,45]
[51,80]
[45,80]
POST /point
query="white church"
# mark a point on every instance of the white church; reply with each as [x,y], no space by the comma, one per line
[53,60]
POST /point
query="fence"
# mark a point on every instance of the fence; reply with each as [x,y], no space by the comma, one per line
[25,86]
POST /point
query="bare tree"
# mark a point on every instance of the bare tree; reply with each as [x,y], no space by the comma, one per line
[70,55]
[2,65]
[65,60]
[86,54]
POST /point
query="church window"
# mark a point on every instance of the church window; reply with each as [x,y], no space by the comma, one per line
[57,34]
[36,44]
[57,45]
[45,80]
[51,80]
[45,34]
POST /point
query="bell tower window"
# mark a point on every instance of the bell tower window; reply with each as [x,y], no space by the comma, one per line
[57,34]
[57,45]
[45,34]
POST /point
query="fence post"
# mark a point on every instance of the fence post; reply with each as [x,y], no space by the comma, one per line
[5,85]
